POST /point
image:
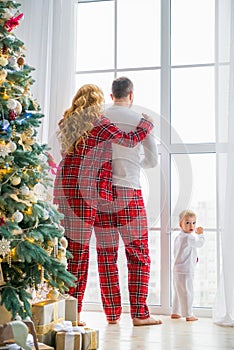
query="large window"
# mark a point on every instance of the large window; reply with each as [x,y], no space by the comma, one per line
[167,48]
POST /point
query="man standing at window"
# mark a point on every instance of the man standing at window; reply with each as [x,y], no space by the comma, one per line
[126,216]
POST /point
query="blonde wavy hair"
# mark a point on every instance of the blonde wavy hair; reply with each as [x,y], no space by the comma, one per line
[79,119]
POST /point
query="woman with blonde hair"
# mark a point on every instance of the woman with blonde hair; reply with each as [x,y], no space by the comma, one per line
[84,176]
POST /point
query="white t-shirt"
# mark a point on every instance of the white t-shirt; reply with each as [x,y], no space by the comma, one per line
[127,162]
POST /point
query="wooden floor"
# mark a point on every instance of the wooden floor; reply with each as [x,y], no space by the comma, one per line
[171,335]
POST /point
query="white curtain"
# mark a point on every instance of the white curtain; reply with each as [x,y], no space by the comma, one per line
[223,312]
[48,32]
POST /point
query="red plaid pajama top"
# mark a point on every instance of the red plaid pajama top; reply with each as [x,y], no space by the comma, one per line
[85,176]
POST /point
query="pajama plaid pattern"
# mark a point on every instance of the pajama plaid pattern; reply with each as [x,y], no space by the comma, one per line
[85,177]
[126,216]
[83,181]
[78,266]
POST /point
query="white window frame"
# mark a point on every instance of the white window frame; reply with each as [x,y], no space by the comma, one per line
[166,149]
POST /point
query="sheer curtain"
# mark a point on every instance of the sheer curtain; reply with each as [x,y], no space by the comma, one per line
[48,33]
[223,312]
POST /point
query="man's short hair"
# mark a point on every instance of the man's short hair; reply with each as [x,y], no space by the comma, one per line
[121,87]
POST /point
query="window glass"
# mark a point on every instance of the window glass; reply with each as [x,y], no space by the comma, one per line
[92,291]
[103,80]
[138,33]
[154,296]
[95,35]
[192,31]
[192,105]
[193,185]
[205,285]
[150,182]
[194,176]
[146,89]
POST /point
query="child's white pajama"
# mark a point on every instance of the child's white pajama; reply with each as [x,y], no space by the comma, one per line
[185,259]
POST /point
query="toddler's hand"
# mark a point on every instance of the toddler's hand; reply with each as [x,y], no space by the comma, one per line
[199,230]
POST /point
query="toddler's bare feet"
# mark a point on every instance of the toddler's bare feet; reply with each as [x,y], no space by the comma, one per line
[150,321]
[192,318]
[175,316]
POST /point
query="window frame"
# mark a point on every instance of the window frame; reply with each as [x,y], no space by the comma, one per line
[166,149]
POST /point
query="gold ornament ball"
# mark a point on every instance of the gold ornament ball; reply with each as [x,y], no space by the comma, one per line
[15,180]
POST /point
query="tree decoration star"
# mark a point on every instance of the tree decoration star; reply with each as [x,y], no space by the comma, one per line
[4,247]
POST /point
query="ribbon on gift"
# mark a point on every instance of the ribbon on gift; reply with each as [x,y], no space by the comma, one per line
[66,326]
[90,340]
[93,339]
[68,341]
[45,328]
[69,335]
[56,311]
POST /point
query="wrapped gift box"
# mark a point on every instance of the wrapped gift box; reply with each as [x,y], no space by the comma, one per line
[48,338]
[90,339]
[46,314]
[68,341]
[71,313]
[5,316]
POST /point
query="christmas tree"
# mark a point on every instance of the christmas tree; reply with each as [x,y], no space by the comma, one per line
[31,237]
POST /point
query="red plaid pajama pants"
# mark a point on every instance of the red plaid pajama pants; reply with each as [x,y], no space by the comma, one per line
[126,216]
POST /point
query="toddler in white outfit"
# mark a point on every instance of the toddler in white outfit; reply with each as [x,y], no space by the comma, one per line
[185,258]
